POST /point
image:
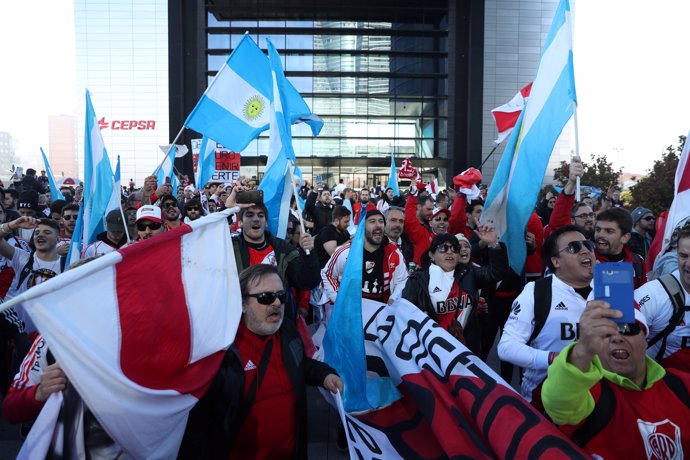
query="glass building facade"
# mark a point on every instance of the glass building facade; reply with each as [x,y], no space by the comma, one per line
[380,88]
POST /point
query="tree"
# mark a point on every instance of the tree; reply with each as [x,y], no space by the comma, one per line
[599,173]
[656,190]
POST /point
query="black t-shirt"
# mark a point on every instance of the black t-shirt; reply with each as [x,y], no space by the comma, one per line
[329,233]
[372,275]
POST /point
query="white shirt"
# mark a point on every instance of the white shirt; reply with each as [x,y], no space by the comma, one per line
[561,328]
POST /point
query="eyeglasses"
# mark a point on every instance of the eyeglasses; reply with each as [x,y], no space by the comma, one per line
[267,298]
[444,248]
[585,215]
[193,208]
[142,226]
[649,218]
[69,217]
[169,204]
[576,246]
[629,329]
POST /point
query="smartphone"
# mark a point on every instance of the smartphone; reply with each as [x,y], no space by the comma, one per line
[250,196]
[613,283]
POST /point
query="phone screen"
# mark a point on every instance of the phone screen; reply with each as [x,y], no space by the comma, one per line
[613,283]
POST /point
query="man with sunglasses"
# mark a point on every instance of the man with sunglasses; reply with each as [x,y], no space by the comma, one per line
[170,210]
[193,210]
[256,407]
[642,232]
[604,386]
[149,222]
[536,330]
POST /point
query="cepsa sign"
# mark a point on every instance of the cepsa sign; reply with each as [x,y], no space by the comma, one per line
[227,162]
[127,125]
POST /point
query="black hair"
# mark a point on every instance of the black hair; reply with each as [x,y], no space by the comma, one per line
[618,215]
[254,274]
[472,204]
[576,207]
[340,211]
[261,206]
[70,207]
[423,199]
[550,247]
[438,240]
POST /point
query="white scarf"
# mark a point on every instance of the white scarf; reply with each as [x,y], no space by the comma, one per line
[440,283]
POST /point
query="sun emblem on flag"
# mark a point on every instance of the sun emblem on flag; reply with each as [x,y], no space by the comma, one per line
[254,107]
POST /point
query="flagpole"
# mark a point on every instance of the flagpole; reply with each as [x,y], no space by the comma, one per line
[170,147]
[122,213]
[577,152]
[291,167]
[488,156]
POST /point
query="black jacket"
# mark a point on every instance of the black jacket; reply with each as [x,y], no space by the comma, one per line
[215,420]
[321,214]
[302,271]
[470,278]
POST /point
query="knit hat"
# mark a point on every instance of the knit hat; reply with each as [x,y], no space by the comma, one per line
[461,238]
[639,213]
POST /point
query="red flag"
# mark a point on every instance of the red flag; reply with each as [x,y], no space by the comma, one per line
[507,115]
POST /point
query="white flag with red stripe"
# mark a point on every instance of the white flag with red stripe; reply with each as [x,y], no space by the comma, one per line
[680,207]
[141,332]
[507,115]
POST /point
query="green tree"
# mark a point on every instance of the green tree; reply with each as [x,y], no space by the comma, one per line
[599,173]
[655,191]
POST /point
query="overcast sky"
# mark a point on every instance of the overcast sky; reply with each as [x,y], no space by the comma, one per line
[630,70]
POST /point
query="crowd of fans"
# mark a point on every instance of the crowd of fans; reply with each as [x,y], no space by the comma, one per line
[594,378]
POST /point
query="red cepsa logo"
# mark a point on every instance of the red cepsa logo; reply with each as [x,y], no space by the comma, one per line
[126,125]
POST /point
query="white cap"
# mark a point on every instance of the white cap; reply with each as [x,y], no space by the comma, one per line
[189,188]
[149,212]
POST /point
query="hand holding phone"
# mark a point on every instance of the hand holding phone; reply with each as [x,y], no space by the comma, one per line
[613,283]
[250,196]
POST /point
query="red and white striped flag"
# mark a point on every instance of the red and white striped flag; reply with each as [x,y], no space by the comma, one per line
[506,115]
[141,332]
[680,207]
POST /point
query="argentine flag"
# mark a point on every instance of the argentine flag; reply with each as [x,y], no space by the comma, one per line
[235,108]
[98,176]
[393,177]
[206,166]
[54,189]
[116,197]
[277,183]
[515,186]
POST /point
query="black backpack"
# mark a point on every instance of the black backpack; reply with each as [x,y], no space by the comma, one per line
[542,305]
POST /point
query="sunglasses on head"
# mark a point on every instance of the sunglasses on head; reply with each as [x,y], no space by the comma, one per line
[142,226]
[444,248]
[630,329]
[267,298]
[576,246]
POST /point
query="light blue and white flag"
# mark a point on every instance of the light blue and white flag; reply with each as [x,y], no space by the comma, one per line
[343,343]
[277,182]
[234,109]
[166,169]
[393,177]
[116,197]
[552,102]
[297,173]
[76,243]
[54,189]
[98,176]
[206,165]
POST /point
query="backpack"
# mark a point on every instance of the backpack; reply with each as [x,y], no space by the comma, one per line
[542,305]
[30,266]
[675,293]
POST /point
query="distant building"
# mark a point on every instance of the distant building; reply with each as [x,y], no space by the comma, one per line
[7,158]
[62,146]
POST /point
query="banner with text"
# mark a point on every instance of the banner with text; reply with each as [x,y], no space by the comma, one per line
[227,162]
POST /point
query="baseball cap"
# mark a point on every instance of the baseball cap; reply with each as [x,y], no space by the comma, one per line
[114,221]
[28,200]
[149,212]
[438,211]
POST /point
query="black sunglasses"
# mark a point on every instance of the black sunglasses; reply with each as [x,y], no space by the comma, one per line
[142,226]
[193,208]
[443,248]
[267,298]
[649,218]
[69,217]
[576,246]
[630,329]
[169,204]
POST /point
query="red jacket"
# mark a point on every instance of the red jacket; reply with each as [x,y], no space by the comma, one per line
[420,235]
[533,262]
[560,216]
